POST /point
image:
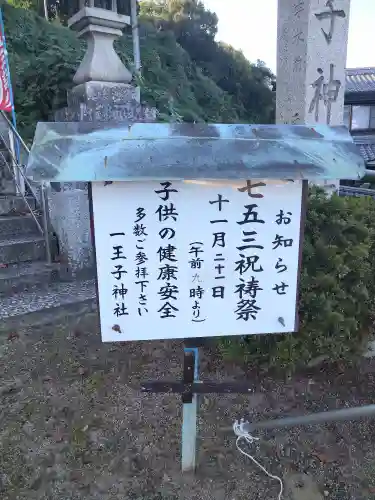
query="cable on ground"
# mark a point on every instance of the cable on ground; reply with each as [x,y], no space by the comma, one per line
[242,434]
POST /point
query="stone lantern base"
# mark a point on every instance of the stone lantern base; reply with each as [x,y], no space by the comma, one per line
[105,102]
[105,92]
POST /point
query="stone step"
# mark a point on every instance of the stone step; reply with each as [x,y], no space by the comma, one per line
[8,186]
[58,302]
[22,249]
[13,204]
[14,225]
[16,278]
[5,172]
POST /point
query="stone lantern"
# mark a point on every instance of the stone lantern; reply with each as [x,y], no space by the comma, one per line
[103,93]
[99,23]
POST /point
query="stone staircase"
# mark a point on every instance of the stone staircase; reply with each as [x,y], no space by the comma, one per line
[32,291]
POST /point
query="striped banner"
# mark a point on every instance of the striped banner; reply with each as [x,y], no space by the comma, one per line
[5,85]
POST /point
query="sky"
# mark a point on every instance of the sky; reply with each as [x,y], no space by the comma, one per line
[254,29]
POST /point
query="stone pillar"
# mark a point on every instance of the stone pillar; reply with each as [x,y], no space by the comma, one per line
[104,93]
[312,38]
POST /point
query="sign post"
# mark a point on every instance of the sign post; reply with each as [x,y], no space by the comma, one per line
[189,411]
[197,230]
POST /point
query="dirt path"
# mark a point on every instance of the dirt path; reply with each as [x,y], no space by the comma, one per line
[73,425]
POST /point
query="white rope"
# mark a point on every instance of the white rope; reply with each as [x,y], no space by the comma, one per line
[241,433]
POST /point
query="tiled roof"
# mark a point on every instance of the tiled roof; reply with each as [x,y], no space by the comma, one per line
[360,80]
[367,151]
[366,145]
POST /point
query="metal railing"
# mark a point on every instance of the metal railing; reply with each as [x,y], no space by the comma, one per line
[16,169]
[340,415]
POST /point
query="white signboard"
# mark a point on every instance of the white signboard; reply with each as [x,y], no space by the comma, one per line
[196,259]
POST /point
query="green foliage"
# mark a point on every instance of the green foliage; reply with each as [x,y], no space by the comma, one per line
[248,85]
[336,289]
[45,55]
[186,18]
[186,74]
[42,58]
[172,83]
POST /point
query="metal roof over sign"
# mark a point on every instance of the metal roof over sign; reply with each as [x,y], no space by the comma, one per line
[81,151]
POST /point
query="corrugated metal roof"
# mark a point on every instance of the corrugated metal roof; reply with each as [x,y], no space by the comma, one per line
[360,80]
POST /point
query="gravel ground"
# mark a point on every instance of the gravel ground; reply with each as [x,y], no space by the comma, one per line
[73,425]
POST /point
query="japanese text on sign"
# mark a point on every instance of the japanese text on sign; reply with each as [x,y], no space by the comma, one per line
[180,259]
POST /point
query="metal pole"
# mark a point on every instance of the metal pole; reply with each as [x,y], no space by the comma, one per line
[135,35]
[46,224]
[354,413]
[23,144]
[16,141]
[20,181]
[189,423]
[45,8]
